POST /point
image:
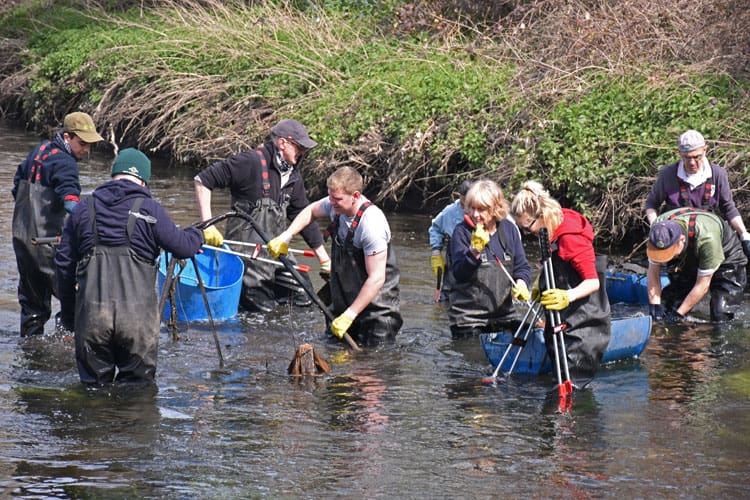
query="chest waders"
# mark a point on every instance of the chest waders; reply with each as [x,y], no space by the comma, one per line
[116,320]
[728,281]
[484,303]
[259,288]
[36,213]
[588,320]
[381,319]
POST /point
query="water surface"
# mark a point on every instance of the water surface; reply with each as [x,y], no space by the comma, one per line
[411,419]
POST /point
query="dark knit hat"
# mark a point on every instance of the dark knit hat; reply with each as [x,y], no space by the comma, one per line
[130,161]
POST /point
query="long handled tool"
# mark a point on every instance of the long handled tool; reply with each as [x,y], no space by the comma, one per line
[46,240]
[564,389]
[439,285]
[534,311]
[301,267]
[258,246]
[291,268]
[208,311]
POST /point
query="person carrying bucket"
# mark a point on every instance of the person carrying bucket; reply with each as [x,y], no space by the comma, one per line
[579,294]
[364,275]
[45,190]
[106,273]
[265,183]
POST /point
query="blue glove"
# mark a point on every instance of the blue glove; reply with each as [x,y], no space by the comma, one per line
[673,317]
[656,311]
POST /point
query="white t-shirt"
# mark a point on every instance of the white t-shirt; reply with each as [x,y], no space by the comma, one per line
[373,233]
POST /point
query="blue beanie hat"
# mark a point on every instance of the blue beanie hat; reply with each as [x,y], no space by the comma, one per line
[130,161]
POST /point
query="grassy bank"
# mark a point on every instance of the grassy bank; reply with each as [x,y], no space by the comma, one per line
[587,100]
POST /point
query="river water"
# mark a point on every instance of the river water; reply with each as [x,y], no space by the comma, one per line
[407,420]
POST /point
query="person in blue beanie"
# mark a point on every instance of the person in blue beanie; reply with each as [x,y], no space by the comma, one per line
[106,273]
[45,189]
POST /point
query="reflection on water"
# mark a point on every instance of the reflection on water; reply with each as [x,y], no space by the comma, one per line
[409,419]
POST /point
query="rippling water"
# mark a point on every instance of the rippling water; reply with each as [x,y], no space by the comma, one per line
[411,419]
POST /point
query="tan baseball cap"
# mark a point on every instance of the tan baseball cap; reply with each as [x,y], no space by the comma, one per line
[81,125]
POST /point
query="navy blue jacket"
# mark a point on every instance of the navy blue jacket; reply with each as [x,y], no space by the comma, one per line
[52,166]
[113,201]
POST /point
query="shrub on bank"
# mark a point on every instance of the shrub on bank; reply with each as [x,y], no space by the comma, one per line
[416,103]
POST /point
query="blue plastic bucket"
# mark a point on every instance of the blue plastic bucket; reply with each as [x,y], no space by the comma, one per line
[222,276]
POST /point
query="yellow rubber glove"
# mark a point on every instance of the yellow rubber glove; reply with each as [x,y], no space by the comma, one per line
[521,291]
[278,246]
[555,299]
[212,236]
[536,294]
[340,325]
[437,263]
[479,238]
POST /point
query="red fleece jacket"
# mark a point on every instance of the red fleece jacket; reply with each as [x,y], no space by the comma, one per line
[575,243]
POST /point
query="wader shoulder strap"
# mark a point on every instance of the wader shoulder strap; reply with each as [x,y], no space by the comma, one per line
[333,227]
[707,189]
[503,241]
[691,222]
[92,218]
[133,215]
[265,182]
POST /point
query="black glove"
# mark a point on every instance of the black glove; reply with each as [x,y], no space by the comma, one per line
[746,248]
[673,317]
[656,311]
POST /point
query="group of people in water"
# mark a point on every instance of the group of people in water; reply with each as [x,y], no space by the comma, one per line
[119,231]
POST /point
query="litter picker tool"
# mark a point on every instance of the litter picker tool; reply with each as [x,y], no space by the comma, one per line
[306,253]
[292,269]
[533,311]
[439,284]
[564,389]
[301,267]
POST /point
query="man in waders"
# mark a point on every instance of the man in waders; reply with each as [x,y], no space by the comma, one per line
[364,275]
[693,181]
[45,189]
[265,183]
[106,273]
[701,254]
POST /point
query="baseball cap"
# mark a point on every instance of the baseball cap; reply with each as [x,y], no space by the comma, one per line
[662,241]
[81,125]
[132,162]
[293,131]
[690,140]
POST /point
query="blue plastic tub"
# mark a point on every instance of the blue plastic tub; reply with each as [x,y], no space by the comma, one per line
[630,288]
[222,276]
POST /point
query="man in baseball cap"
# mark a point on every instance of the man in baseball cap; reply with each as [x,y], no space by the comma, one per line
[267,183]
[693,181]
[45,188]
[81,125]
[701,254]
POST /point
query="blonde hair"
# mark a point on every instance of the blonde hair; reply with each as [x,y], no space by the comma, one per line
[534,201]
[346,179]
[487,195]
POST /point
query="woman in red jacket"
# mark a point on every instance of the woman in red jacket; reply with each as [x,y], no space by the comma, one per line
[579,293]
